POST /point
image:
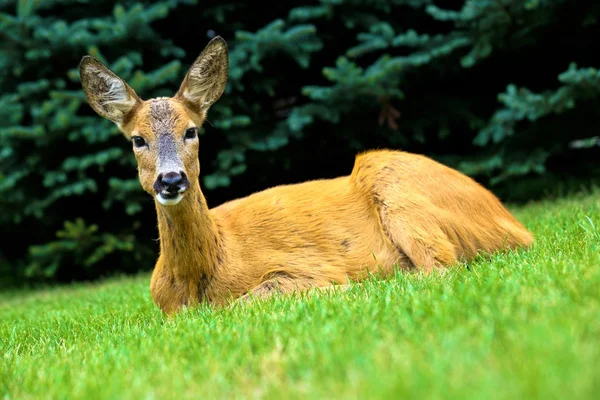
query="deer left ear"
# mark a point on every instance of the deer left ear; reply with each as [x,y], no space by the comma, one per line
[206,79]
[107,94]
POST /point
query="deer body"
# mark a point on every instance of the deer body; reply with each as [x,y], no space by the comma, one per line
[395,209]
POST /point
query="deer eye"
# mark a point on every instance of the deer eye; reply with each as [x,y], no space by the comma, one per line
[190,133]
[138,141]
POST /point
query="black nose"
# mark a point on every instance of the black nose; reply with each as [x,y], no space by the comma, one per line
[170,179]
[171,183]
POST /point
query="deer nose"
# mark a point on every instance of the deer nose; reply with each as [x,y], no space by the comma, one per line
[170,179]
[171,183]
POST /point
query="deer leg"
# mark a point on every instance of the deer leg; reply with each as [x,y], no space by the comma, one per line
[274,286]
[285,285]
[422,240]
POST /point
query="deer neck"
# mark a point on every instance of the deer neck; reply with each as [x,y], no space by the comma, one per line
[190,244]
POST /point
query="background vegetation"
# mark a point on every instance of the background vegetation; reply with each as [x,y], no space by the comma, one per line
[504,90]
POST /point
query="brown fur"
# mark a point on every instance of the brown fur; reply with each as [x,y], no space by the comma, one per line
[395,210]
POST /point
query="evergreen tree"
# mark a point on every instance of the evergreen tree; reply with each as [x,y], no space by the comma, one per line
[433,87]
[67,177]
[505,90]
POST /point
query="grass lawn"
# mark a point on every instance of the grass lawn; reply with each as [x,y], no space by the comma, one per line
[522,325]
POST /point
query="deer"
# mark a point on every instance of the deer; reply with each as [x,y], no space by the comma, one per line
[395,211]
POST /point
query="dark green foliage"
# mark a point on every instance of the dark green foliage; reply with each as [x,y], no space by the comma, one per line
[504,90]
[514,141]
[68,185]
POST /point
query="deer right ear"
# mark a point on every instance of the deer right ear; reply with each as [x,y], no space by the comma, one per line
[206,79]
[107,94]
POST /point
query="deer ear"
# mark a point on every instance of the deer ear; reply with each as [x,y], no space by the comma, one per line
[206,79]
[107,94]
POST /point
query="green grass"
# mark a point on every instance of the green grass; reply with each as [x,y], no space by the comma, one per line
[521,325]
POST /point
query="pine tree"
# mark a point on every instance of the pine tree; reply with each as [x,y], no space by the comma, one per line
[67,176]
[505,90]
[66,179]
[431,74]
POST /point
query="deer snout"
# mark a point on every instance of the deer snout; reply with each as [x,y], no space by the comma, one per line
[171,184]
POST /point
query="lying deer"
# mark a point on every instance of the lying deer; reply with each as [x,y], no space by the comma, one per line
[395,210]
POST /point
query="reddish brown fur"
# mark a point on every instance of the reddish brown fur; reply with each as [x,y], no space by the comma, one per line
[395,210]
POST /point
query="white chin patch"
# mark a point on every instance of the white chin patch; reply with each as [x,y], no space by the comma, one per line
[169,202]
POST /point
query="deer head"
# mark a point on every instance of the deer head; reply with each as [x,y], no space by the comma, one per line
[163,131]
